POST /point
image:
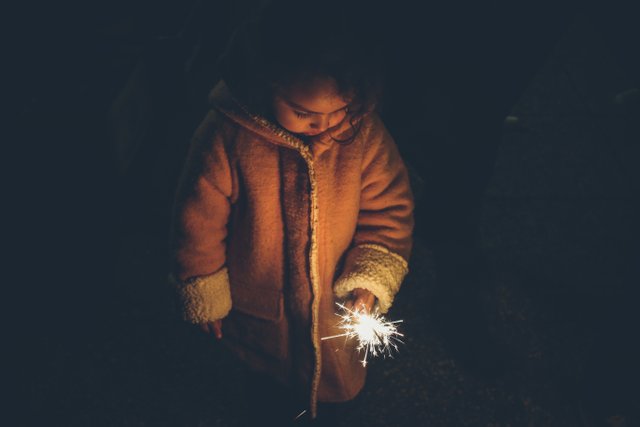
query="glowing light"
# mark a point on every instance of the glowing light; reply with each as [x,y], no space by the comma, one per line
[375,334]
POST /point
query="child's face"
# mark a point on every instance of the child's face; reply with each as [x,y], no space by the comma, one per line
[310,108]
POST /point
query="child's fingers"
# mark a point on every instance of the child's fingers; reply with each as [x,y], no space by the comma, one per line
[353,303]
[214,328]
[361,299]
[205,327]
[365,302]
[217,328]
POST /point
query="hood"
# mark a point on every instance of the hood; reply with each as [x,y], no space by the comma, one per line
[223,100]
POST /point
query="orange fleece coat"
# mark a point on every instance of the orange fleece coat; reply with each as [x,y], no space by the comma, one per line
[269,232]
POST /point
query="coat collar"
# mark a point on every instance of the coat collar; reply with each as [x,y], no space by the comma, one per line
[223,100]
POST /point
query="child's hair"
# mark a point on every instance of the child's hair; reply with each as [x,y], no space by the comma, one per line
[295,42]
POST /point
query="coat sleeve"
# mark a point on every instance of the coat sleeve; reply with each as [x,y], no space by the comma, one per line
[378,258]
[199,229]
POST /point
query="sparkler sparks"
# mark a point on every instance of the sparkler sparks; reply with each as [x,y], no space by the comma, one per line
[374,333]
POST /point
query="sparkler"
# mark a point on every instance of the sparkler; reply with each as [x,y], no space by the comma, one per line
[375,334]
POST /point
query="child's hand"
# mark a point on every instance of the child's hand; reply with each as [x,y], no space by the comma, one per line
[214,328]
[361,299]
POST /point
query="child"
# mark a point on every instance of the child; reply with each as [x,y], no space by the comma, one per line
[293,197]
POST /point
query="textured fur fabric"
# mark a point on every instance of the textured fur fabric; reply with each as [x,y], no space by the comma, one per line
[197,294]
[283,218]
[374,268]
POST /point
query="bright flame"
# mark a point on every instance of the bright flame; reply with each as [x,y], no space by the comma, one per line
[374,333]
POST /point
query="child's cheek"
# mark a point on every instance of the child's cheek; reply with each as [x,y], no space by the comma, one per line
[337,119]
[292,124]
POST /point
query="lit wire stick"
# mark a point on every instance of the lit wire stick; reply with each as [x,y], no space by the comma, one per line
[374,333]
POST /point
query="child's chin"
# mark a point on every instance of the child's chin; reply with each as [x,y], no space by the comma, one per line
[307,134]
[310,134]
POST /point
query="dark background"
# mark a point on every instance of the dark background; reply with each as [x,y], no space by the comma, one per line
[104,100]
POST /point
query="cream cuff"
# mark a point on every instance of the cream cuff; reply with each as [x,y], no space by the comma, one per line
[374,268]
[204,298]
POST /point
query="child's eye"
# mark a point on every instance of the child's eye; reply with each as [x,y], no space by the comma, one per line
[301,114]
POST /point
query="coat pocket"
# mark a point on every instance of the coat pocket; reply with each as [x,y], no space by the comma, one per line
[256,324]
[263,303]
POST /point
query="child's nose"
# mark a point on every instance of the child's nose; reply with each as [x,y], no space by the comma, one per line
[322,123]
[334,120]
